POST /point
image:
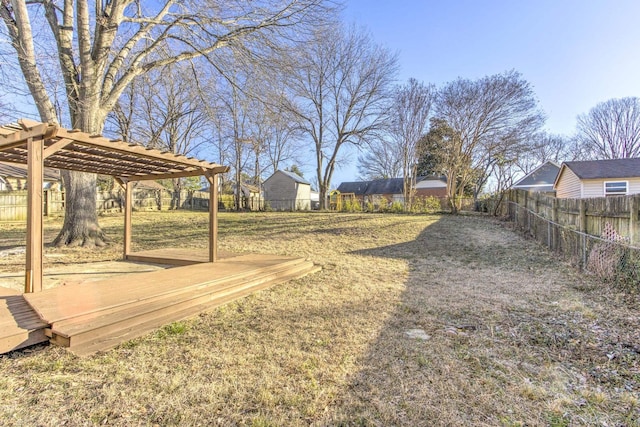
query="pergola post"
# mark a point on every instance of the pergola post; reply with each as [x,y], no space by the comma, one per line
[128,210]
[33,270]
[213,217]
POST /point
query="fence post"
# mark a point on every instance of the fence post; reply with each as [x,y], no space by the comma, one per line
[583,215]
[534,228]
[583,230]
[633,218]
[554,218]
[526,212]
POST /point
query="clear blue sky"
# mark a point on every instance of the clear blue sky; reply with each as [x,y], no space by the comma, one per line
[574,53]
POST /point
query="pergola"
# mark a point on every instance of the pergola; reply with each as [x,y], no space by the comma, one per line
[40,144]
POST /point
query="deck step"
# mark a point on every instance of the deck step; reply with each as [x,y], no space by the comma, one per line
[152,285]
[20,325]
[104,329]
[108,341]
[81,326]
[175,296]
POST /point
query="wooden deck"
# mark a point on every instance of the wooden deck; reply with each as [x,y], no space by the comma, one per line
[99,315]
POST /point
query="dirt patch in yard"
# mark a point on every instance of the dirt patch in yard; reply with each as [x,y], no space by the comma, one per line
[414,320]
[77,273]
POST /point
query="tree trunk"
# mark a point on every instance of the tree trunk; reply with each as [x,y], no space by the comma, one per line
[80,227]
[322,195]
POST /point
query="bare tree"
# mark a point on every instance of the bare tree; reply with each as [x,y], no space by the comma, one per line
[611,129]
[340,89]
[169,116]
[240,133]
[380,159]
[409,119]
[280,135]
[490,119]
[544,147]
[103,46]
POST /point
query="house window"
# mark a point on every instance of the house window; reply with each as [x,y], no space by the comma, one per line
[615,188]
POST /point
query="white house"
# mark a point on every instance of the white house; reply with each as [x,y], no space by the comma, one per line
[598,178]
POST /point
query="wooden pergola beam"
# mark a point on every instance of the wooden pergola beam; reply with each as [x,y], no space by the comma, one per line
[56,146]
[213,216]
[197,172]
[111,145]
[28,129]
[35,172]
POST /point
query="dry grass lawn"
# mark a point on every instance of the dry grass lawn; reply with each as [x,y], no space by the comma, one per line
[514,336]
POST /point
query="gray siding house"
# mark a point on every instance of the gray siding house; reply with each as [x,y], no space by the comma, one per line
[287,191]
[540,179]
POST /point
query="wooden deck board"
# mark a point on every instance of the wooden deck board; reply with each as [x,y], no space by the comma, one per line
[173,301]
[176,256]
[92,316]
[73,300]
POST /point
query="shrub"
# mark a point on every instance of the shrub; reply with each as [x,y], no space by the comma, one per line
[396,207]
[431,204]
[370,207]
[228,201]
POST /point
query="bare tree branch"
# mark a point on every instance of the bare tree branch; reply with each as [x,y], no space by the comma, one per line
[340,91]
[611,129]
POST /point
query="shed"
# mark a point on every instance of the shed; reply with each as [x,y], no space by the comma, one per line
[598,178]
[541,179]
[251,197]
[286,190]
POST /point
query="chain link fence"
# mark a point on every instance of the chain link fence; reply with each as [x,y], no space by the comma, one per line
[609,256]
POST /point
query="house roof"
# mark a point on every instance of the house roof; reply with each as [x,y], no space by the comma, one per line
[376,186]
[149,185]
[80,151]
[386,186]
[381,186]
[541,177]
[18,171]
[431,181]
[294,176]
[597,169]
[356,187]
[248,188]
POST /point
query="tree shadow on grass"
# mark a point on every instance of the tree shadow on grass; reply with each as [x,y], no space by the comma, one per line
[473,289]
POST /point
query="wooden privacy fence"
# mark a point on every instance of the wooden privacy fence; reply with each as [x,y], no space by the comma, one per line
[589,216]
[113,201]
[13,204]
[598,235]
